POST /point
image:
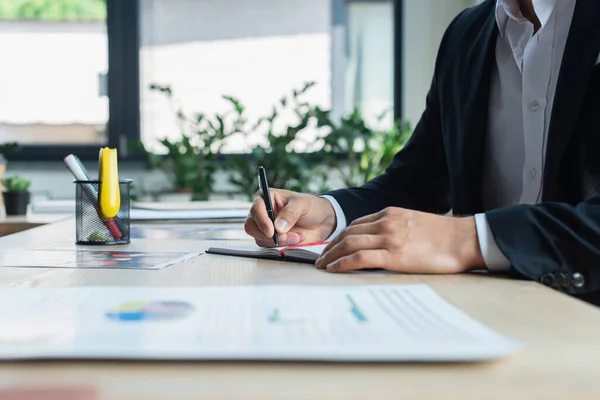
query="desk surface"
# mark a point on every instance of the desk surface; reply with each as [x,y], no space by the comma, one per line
[561,335]
[16,223]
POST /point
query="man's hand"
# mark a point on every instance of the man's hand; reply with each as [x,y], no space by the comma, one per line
[403,240]
[298,218]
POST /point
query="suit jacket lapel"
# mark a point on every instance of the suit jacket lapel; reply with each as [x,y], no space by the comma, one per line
[479,62]
[579,60]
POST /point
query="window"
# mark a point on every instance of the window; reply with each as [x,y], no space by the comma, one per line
[63,59]
[370,72]
[258,51]
[53,72]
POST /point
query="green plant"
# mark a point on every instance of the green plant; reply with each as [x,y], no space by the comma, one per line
[191,160]
[367,152]
[293,160]
[287,168]
[16,184]
[8,148]
[381,149]
[53,10]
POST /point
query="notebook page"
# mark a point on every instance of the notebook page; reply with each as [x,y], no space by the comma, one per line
[307,252]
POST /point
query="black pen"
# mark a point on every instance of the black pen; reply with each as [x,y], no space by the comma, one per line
[263,185]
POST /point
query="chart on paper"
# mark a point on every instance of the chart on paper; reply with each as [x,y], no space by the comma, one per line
[340,323]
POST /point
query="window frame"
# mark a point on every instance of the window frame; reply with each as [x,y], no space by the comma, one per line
[398,58]
[398,6]
[123,125]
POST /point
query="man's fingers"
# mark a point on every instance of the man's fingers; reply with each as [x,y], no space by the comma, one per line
[365,229]
[290,214]
[350,245]
[278,202]
[363,259]
[258,212]
[253,230]
[289,239]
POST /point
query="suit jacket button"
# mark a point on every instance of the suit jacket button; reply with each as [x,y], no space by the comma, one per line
[564,280]
[578,280]
[548,279]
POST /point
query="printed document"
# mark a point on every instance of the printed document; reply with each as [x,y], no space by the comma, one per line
[189,215]
[390,323]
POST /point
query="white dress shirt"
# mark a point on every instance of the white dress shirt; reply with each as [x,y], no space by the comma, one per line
[521,98]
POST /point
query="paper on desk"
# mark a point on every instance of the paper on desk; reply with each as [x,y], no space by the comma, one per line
[96,259]
[340,323]
[190,215]
[53,207]
[192,205]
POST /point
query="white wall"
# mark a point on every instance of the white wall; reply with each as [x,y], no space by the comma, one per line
[425,22]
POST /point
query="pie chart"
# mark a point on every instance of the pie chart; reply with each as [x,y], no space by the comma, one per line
[150,311]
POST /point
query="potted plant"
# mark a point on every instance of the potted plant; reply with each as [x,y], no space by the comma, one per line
[16,195]
[191,160]
[347,152]
[5,149]
[286,166]
[369,151]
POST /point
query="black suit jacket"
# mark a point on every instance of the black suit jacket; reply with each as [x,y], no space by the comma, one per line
[440,168]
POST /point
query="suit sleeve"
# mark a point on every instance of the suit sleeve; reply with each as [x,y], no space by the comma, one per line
[557,244]
[418,176]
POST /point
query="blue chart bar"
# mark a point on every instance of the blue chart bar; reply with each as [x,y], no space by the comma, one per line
[358,314]
[274,317]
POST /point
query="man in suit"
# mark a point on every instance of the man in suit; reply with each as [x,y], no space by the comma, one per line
[509,141]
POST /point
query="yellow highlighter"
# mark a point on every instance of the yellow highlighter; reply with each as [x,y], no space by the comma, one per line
[109,199]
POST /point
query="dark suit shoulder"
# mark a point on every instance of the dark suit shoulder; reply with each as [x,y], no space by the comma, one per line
[473,19]
[465,28]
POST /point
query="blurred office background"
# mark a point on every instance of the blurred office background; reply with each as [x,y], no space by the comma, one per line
[76,74]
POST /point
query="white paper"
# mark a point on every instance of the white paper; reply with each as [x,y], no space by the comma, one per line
[191,215]
[339,323]
[53,206]
[192,205]
[95,259]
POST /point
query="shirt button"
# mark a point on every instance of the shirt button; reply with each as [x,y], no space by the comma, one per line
[532,173]
[534,105]
[518,50]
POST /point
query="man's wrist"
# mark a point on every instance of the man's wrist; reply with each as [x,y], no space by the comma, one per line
[470,256]
[330,220]
[494,259]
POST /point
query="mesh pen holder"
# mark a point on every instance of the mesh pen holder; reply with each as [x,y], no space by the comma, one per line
[90,227]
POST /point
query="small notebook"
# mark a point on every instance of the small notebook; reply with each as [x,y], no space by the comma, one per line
[304,253]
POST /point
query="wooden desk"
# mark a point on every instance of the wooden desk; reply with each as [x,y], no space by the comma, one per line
[561,334]
[18,223]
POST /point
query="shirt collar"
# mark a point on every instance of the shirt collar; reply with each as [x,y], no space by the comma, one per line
[510,9]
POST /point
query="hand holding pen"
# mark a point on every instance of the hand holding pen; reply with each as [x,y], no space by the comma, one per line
[263,185]
[298,218]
